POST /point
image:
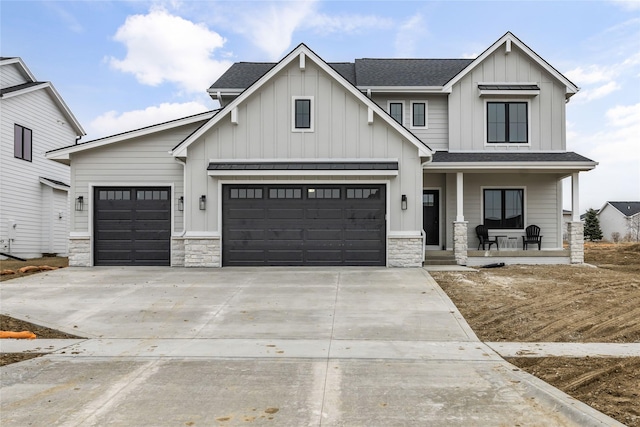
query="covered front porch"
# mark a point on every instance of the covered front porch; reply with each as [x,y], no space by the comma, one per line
[506,193]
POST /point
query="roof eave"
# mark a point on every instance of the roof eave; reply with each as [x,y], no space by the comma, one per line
[402,89]
[479,166]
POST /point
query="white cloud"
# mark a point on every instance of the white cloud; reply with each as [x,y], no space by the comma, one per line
[591,75]
[628,4]
[587,95]
[112,122]
[349,24]
[409,35]
[165,48]
[617,149]
[271,26]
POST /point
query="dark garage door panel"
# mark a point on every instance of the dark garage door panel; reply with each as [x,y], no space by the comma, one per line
[132,226]
[303,230]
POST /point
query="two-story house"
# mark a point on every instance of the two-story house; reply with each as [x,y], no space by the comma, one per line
[315,163]
[34,191]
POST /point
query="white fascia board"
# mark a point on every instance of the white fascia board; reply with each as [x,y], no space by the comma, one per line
[423,150]
[571,89]
[63,153]
[19,61]
[53,185]
[467,166]
[57,99]
[261,172]
[308,160]
[225,92]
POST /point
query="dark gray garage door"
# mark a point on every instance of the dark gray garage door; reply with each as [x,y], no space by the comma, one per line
[303,225]
[132,225]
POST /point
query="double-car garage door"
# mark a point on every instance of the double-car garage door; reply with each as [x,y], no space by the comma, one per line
[261,225]
[303,225]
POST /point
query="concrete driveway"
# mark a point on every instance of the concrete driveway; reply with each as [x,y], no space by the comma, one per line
[267,346]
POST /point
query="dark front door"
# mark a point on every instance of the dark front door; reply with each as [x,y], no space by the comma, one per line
[132,225]
[431,216]
[304,225]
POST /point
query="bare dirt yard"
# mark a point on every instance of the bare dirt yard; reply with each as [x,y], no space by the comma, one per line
[564,304]
[11,269]
[534,304]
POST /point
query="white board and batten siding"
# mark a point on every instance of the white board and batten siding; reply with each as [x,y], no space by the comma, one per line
[341,131]
[436,133]
[139,161]
[467,115]
[21,190]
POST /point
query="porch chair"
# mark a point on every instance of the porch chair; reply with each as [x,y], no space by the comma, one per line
[532,236]
[482,231]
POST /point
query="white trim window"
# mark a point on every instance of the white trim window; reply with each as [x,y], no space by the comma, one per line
[419,113]
[302,111]
[396,111]
[507,122]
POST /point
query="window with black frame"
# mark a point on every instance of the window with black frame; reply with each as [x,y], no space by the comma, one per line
[503,208]
[507,123]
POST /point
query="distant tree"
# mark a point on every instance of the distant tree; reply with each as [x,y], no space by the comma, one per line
[633,228]
[592,229]
[615,237]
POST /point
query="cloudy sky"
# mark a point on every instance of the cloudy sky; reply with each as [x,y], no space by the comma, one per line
[121,65]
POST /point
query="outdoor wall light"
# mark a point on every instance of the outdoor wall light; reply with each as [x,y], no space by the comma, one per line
[80,203]
[181,203]
[203,202]
[403,203]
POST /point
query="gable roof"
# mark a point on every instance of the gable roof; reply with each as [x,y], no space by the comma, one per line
[625,208]
[62,154]
[508,39]
[302,49]
[33,85]
[363,73]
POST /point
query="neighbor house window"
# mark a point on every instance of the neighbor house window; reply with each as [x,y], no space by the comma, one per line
[395,111]
[303,114]
[418,114]
[22,143]
[503,208]
[507,123]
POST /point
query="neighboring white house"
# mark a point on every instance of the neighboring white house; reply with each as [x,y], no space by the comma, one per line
[622,218]
[364,163]
[34,207]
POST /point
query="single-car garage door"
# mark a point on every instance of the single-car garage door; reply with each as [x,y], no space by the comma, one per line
[132,225]
[304,225]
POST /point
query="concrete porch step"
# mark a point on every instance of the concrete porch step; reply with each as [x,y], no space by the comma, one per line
[439,258]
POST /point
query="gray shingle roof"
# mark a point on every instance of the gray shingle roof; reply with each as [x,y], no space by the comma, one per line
[508,87]
[364,72]
[407,72]
[18,87]
[446,157]
[627,208]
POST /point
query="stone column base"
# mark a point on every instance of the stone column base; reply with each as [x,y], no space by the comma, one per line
[460,245]
[177,252]
[80,252]
[404,251]
[202,252]
[575,234]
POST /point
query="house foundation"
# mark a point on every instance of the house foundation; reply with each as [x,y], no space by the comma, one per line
[405,251]
[575,234]
[460,243]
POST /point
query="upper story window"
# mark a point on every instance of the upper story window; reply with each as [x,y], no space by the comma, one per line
[395,110]
[302,112]
[507,123]
[22,142]
[503,208]
[419,114]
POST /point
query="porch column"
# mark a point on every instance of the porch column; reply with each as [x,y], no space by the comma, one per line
[460,226]
[575,228]
[575,197]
